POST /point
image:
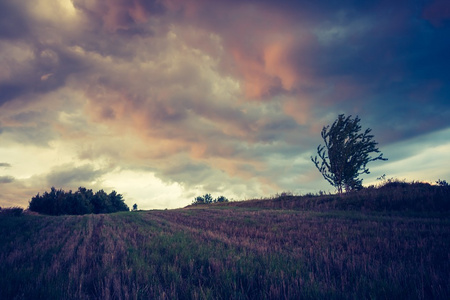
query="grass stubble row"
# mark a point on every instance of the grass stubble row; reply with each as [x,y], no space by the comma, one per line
[225,253]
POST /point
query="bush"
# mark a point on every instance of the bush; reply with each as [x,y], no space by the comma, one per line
[221,199]
[442,182]
[208,199]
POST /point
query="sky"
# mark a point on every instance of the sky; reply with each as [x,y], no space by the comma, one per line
[166,100]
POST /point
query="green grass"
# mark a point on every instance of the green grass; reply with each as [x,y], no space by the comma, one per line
[225,253]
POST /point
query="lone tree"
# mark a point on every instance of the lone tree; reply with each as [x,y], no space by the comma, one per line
[346,153]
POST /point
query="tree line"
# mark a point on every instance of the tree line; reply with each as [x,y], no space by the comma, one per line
[83,201]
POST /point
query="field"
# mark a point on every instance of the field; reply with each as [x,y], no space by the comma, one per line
[226,252]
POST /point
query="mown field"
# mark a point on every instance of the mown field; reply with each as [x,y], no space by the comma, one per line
[226,252]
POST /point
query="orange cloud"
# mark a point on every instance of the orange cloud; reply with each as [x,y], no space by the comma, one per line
[278,64]
[256,82]
[298,109]
[263,51]
[190,8]
[266,69]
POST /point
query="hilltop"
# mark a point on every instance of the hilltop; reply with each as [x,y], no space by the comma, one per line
[387,242]
[389,197]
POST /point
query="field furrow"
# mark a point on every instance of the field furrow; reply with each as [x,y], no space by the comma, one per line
[224,253]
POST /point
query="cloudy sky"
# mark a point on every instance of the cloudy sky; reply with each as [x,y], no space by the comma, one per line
[164,100]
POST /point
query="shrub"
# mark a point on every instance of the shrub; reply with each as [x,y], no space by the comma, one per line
[442,182]
[11,211]
[208,199]
[221,199]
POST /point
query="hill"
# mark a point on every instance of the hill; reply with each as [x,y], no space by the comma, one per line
[240,250]
[392,196]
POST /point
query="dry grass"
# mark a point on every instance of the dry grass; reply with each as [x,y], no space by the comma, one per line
[394,195]
[225,253]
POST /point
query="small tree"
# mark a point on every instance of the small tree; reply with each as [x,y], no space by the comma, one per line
[198,200]
[221,199]
[208,198]
[346,153]
[205,199]
[135,207]
[442,182]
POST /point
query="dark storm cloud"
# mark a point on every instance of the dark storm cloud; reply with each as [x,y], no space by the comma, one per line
[360,57]
[385,61]
[29,127]
[9,91]
[363,59]
[37,57]
[38,135]
[45,69]
[68,175]
[437,13]
[122,16]
[13,24]
[187,172]
[6,179]
[219,95]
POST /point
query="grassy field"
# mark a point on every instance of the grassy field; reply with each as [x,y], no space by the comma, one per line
[226,252]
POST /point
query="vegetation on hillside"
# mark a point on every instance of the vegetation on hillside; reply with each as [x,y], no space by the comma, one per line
[393,195]
[389,241]
[84,201]
[214,252]
[11,211]
[208,199]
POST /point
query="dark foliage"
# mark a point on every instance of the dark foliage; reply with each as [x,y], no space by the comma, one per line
[346,153]
[208,199]
[442,182]
[11,211]
[84,201]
